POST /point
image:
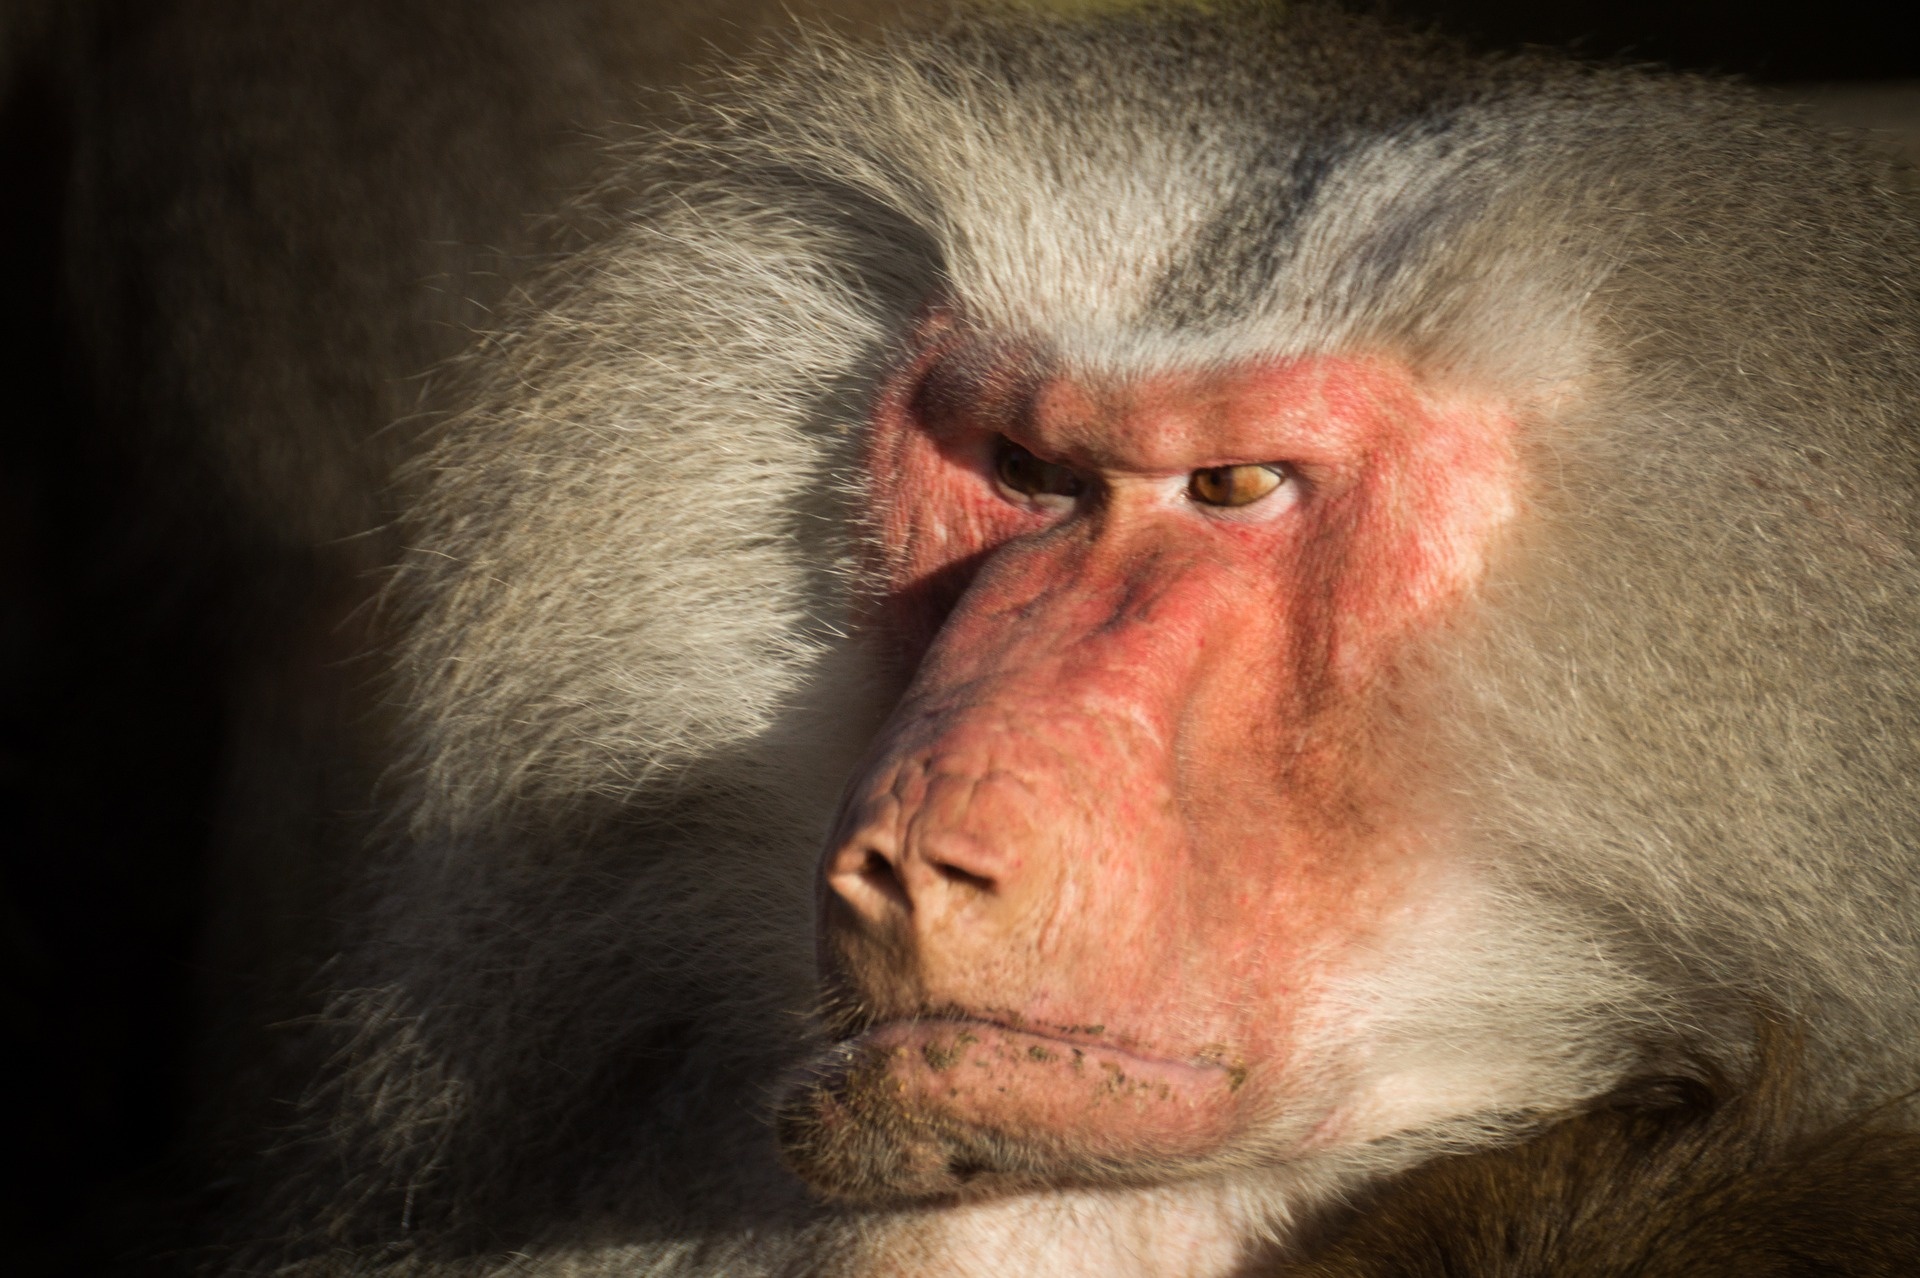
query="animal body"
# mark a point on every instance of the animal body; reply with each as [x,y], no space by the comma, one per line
[1690,1175]
[1330,599]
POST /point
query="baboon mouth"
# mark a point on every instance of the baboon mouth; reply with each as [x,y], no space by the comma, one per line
[943,1041]
[929,1108]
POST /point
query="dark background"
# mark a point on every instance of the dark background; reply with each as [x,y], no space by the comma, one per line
[113,645]
[1846,40]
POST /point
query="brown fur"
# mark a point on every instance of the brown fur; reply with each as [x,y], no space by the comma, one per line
[1681,1178]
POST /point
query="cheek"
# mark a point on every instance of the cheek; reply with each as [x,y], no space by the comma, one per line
[1419,531]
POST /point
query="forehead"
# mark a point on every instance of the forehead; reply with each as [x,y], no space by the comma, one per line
[1301,409]
[1327,409]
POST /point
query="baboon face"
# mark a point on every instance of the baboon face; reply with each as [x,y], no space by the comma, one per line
[1130,815]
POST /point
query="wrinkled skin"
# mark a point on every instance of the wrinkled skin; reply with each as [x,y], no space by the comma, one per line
[1106,836]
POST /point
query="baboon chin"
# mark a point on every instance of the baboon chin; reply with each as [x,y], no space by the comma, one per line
[1008,643]
[956,1108]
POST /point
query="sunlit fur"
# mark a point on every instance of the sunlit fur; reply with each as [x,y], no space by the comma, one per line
[1679,717]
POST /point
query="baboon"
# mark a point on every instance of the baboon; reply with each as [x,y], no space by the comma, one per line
[1334,599]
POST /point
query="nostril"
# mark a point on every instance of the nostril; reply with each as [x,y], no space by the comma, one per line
[965,878]
[879,874]
[880,883]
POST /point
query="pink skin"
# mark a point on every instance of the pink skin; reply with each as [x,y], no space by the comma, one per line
[1129,798]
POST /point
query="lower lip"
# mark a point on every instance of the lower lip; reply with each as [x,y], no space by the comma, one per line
[1101,1099]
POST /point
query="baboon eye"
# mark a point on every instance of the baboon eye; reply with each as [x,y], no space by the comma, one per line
[1235,485]
[1019,471]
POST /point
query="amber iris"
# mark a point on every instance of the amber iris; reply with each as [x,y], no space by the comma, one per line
[1234,485]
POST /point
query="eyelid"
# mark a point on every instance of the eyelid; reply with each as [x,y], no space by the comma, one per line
[1023,476]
